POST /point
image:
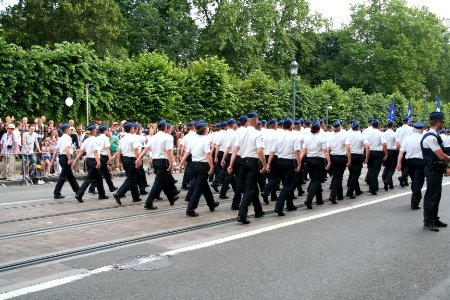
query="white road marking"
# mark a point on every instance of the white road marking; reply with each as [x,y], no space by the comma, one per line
[69,279]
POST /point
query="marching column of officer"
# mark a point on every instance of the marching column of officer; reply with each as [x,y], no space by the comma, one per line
[436,165]
[287,148]
[411,152]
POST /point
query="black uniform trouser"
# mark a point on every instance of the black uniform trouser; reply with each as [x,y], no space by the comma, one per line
[219,171]
[227,179]
[355,171]
[188,172]
[286,172]
[66,174]
[374,164]
[249,169]
[163,182]
[416,170]
[315,167]
[105,172]
[240,184]
[199,184]
[432,195]
[404,177]
[93,176]
[141,178]
[389,168]
[273,178]
[298,181]
[338,164]
[130,182]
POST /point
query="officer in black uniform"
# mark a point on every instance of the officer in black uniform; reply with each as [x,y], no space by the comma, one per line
[436,165]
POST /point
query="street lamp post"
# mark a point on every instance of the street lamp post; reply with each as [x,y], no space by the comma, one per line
[425,93]
[294,69]
[89,87]
[328,108]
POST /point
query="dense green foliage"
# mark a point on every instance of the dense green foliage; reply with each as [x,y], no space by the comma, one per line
[216,59]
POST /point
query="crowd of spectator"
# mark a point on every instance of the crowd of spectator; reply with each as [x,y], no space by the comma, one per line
[34,144]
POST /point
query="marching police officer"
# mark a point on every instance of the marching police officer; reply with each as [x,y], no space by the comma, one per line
[226,144]
[411,152]
[287,148]
[401,134]
[127,154]
[436,164]
[340,155]
[378,154]
[93,164]
[391,162]
[235,205]
[202,166]
[65,150]
[269,136]
[250,143]
[105,156]
[187,176]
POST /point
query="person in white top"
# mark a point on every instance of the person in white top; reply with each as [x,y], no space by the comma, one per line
[226,145]
[378,154]
[249,143]
[339,148]
[315,150]
[287,148]
[218,155]
[202,166]
[401,134]
[127,154]
[446,141]
[235,204]
[93,164]
[299,178]
[391,162]
[437,163]
[187,176]
[161,145]
[411,153]
[105,155]
[269,136]
[64,149]
[29,142]
[358,146]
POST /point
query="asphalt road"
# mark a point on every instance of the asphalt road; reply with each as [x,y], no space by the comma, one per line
[376,251]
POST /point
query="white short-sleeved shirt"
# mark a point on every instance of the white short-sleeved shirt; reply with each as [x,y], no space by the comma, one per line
[187,138]
[390,138]
[199,146]
[411,146]
[431,142]
[228,139]
[446,140]
[218,138]
[337,142]
[367,130]
[314,144]
[103,143]
[90,145]
[248,141]
[128,143]
[357,142]
[269,136]
[285,144]
[64,141]
[160,143]
[239,132]
[376,139]
[402,133]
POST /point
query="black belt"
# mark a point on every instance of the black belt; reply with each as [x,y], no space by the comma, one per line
[290,159]
[200,162]
[335,155]
[160,159]
[250,158]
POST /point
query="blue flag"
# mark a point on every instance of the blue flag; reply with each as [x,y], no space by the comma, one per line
[438,104]
[409,115]
[391,117]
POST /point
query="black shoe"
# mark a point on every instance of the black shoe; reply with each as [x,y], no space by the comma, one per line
[308,205]
[137,200]
[192,214]
[415,207]
[391,186]
[176,192]
[214,207]
[185,187]
[224,197]
[386,186]
[406,183]
[103,197]
[430,227]
[174,200]
[92,192]
[159,198]
[259,215]
[151,207]
[359,193]
[373,192]
[279,212]
[142,193]
[265,198]
[291,208]
[79,198]
[215,188]
[301,193]
[113,189]
[340,198]
[438,223]
[117,197]
[59,196]
[319,202]
[243,220]
[235,208]
[332,200]
[401,182]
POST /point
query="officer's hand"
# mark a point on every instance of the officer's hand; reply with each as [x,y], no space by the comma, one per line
[268,168]
[69,162]
[98,165]
[298,169]
[328,166]
[366,161]
[222,163]
[385,158]
[399,167]
[348,164]
[211,170]
[169,169]
[216,160]
[138,163]
[447,172]
[119,165]
[263,170]
[230,170]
